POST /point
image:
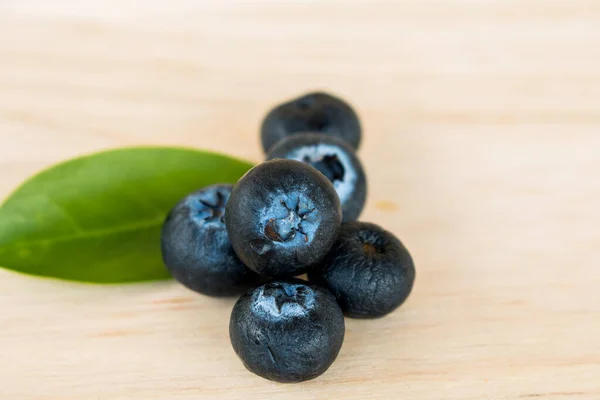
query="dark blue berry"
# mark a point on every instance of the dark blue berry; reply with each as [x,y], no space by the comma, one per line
[196,248]
[287,331]
[282,217]
[313,112]
[368,270]
[335,159]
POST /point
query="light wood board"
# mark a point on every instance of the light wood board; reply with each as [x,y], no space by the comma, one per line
[482,148]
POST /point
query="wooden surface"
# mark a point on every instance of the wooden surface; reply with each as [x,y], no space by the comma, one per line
[482,142]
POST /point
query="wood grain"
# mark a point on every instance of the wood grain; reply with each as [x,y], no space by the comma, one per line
[482,135]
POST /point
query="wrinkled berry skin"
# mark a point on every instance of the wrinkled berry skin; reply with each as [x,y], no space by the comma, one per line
[287,331]
[312,112]
[335,159]
[282,218]
[196,249]
[368,270]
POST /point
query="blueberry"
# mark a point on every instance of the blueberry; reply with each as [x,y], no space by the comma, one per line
[312,112]
[368,270]
[287,331]
[196,248]
[282,217]
[335,159]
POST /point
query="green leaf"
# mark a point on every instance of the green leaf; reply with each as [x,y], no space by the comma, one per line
[97,218]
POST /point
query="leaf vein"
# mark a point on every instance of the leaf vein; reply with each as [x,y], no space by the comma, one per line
[88,234]
[66,213]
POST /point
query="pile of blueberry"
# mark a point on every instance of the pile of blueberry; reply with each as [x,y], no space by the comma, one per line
[293,214]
